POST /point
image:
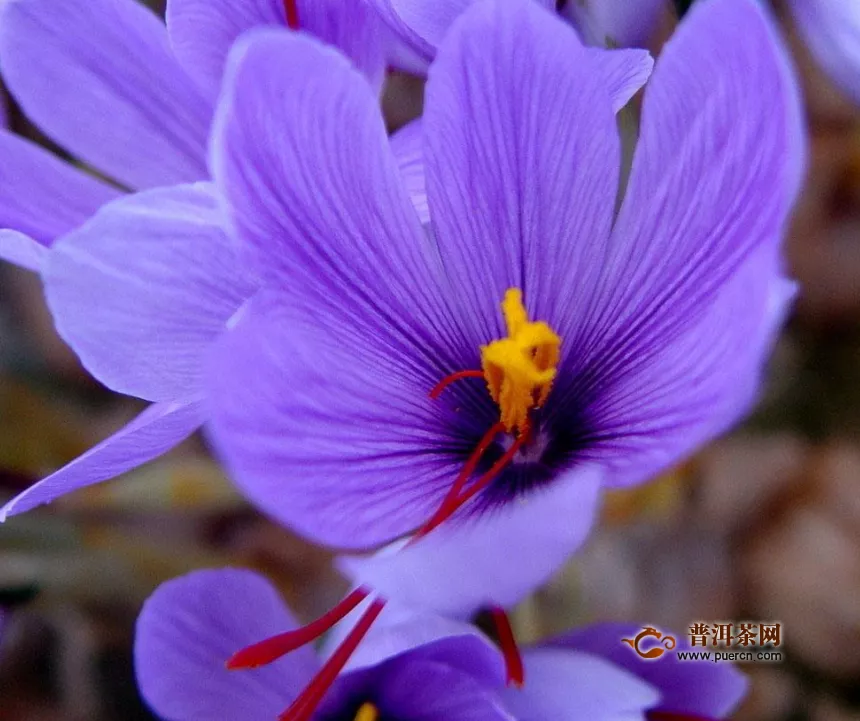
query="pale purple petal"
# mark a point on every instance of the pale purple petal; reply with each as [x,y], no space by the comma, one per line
[99,78]
[407,144]
[422,25]
[141,291]
[326,428]
[189,628]
[496,559]
[696,386]
[623,71]
[202,32]
[22,250]
[831,28]
[154,432]
[356,324]
[698,688]
[42,195]
[716,170]
[571,685]
[522,163]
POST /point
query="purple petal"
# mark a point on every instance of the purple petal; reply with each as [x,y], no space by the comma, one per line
[620,23]
[100,79]
[424,691]
[154,432]
[624,72]
[714,176]
[498,560]
[202,32]
[143,289]
[41,195]
[522,162]
[422,25]
[570,685]
[696,386]
[358,330]
[698,688]
[22,250]
[831,28]
[188,629]
[402,630]
[326,428]
[407,144]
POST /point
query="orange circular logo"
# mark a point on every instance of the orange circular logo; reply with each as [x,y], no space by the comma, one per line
[655,651]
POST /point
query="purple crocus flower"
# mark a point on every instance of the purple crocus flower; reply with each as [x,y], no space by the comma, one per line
[410,666]
[831,29]
[139,285]
[622,342]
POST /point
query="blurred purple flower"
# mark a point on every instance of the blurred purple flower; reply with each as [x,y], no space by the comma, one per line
[139,285]
[410,666]
[831,29]
[421,25]
[434,670]
[666,312]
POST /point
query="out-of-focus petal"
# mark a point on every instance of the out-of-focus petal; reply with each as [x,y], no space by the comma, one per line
[497,558]
[141,291]
[402,630]
[189,628]
[202,32]
[41,195]
[522,163]
[155,431]
[571,685]
[99,77]
[22,250]
[422,25]
[831,28]
[697,688]
[620,23]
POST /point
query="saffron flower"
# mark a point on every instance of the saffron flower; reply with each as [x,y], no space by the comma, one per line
[831,29]
[139,285]
[553,335]
[411,666]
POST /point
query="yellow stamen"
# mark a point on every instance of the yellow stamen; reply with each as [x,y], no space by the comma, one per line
[520,369]
[367,712]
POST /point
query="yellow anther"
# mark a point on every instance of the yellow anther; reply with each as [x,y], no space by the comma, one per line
[367,712]
[520,369]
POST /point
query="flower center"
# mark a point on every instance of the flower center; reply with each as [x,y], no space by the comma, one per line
[367,712]
[520,368]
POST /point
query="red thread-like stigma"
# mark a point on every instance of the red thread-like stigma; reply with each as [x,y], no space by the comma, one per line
[271,649]
[448,380]
[292,13]
[671,716]
[304,706]
[511,652]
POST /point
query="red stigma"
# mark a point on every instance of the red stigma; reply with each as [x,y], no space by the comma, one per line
[304,706]
[271,649]
[671,716]
[292,14]
[448,380]
[511,652]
